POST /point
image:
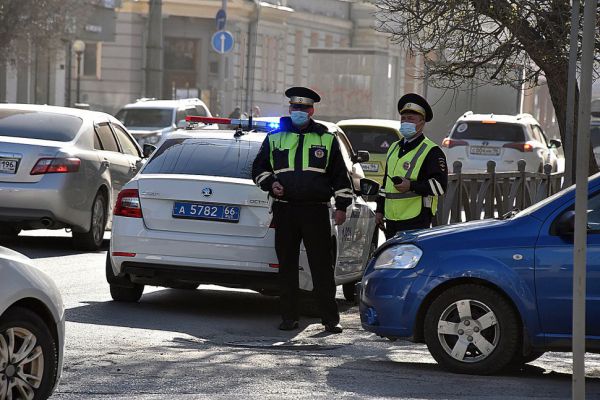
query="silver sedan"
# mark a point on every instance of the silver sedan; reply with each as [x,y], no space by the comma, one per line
[61,168]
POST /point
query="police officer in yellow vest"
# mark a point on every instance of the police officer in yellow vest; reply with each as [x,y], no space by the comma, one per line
[415,173]
[301,166]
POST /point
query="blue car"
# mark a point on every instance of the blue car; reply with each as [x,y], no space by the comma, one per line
[484,295]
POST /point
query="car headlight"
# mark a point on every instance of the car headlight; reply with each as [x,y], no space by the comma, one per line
[404,256]
[152,139]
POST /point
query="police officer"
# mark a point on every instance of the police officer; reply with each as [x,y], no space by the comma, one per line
[415,173]
[301,166]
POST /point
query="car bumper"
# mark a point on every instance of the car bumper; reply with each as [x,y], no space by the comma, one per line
[57,200]
[389,301]
[476,165]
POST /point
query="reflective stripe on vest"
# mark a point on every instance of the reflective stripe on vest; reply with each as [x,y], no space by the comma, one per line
[404,206]
[316,150]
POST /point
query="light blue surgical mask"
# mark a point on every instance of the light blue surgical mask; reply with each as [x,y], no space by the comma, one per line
[299,118]
[408,130]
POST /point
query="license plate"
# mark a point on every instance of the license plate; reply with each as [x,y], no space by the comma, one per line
[213,212]
[8,165]
[370,167]
[485,151]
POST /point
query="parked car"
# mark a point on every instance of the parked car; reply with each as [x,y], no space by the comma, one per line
[486,294]
[476,139]
[193,215]
[61,168]
[375,136]
[150,120]
[32,329]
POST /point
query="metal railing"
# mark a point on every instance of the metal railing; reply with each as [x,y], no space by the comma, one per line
[491,194]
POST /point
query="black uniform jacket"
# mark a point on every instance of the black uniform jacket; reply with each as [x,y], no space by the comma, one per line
[305,186]
[431,181]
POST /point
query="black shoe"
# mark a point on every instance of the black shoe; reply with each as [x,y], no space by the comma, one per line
[288,325]
[334,328]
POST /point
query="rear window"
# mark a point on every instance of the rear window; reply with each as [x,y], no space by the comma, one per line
[197,156]
[146,117]
[501,131]
[374,139]
[39,125]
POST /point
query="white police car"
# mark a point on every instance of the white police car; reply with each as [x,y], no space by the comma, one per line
[193,215]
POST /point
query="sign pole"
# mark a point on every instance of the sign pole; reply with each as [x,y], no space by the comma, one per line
[581,200]
[222,61]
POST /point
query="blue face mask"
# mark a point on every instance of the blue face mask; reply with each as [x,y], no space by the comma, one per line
[299,118]
[408,130]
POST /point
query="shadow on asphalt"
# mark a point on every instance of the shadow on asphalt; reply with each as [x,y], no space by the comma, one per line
[46,246]
[194,312]
[530,381]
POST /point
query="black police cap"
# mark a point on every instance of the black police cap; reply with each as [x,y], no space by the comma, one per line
[302,95]
[415,103]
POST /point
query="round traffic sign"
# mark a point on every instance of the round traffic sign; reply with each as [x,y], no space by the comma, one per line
[222,42]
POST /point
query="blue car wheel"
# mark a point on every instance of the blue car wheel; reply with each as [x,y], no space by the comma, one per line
[472,329]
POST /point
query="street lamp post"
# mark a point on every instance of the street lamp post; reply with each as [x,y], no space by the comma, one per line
[78,48]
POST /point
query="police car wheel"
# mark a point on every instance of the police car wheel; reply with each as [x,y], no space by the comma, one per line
[121,288]
[472,329]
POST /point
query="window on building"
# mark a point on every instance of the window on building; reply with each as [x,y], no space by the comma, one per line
[180,54]
[314,39]
[328,41]
[298,53]
[92,59]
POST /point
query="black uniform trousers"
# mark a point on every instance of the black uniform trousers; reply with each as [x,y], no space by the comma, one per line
[310,223]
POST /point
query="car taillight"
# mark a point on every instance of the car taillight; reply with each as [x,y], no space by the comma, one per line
[55,166]
[128,204]
[524,147]
[450,143]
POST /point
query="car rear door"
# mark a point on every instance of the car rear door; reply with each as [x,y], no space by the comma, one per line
[129,149]
[554,275]
[111,157]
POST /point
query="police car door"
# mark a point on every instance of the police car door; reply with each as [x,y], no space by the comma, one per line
[353,236]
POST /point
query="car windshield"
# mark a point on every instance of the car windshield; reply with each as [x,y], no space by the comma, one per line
[146,117]
[199,156]
[30,124]
[374,139]
[477,130]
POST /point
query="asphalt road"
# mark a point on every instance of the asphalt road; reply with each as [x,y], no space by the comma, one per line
[219,343]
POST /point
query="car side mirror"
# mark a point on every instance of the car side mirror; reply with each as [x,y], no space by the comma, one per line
[555,143]
[369,188]
[181,124]
[362,156]
[565,225]
[148,150]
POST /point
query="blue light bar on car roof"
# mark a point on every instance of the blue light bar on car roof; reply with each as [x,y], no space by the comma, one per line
[244,123]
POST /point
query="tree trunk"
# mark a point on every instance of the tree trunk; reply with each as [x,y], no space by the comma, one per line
[557,86]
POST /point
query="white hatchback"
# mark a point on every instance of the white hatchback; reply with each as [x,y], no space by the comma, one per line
[476,139]
[193,215]
[32,329]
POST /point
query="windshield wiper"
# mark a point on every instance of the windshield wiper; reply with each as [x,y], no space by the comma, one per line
[510,214]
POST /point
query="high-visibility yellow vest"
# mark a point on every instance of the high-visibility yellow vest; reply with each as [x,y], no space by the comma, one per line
[404,206]
[316,150]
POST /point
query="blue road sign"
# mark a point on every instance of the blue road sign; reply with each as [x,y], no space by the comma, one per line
[221,18]
[222,42]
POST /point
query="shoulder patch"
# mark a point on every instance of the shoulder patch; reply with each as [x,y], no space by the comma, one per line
[442,164]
